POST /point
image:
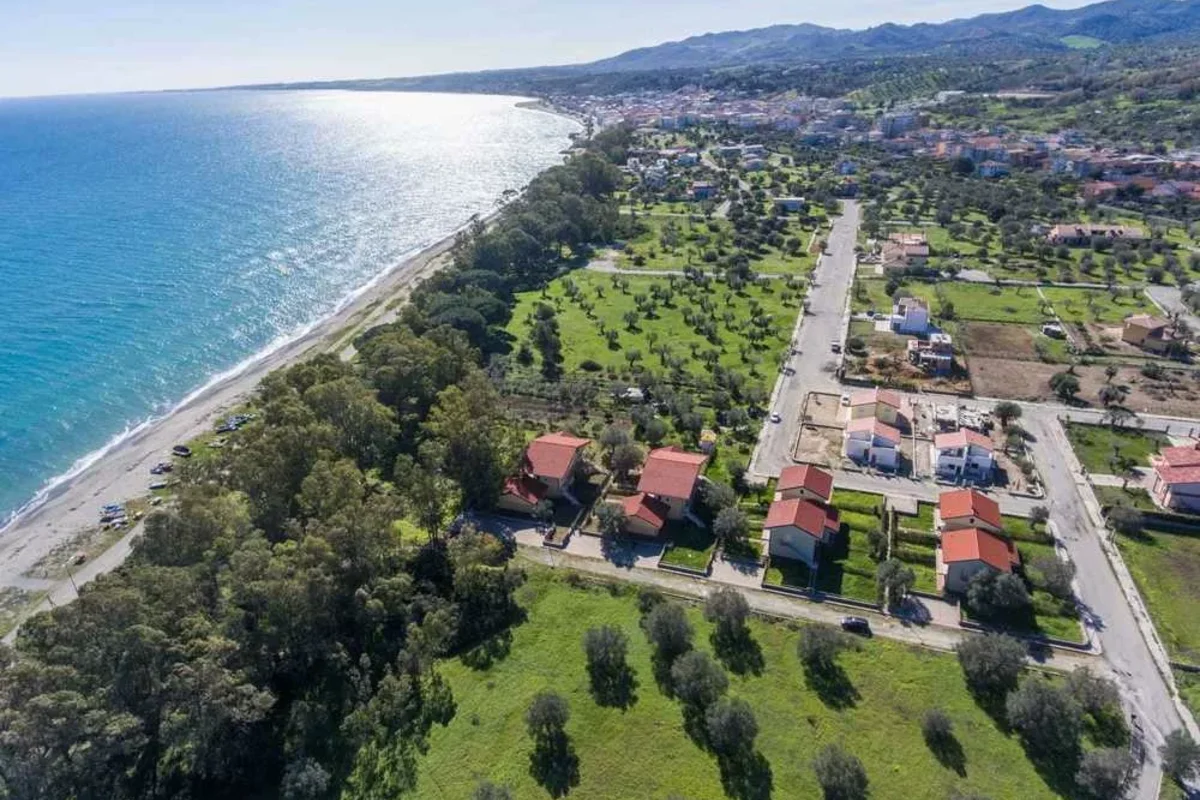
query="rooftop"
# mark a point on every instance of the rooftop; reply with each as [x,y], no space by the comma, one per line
[671,472]
[806,476]
[646,509]
[969,503]
[876,395]
[972,544]
[960,439]
[880,429]
[550,456]
[806,515]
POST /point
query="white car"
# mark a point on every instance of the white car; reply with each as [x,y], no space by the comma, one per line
[775,417]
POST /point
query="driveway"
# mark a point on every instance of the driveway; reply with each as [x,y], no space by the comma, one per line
[811,368]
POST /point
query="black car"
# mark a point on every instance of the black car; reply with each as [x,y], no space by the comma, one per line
[856,625]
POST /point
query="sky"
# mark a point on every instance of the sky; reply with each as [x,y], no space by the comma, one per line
[82,46]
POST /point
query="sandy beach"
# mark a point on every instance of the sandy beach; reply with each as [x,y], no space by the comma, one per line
[123,473]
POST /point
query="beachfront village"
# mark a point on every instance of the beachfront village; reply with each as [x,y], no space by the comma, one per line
[811,448]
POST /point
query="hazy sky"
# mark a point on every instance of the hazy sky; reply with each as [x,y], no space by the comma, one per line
[62,46]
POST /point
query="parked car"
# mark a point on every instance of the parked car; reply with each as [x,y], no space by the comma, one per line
[181,450]
[776,418]
[836,347]
[857,625]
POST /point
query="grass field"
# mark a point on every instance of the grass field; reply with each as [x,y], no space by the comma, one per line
[1095,445]
[582,339]
[973,301]
[643,752]
[1166,569]
[1116,496]
[1092,305]
[869,294]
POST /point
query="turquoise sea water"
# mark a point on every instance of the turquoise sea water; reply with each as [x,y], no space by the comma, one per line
[151,242]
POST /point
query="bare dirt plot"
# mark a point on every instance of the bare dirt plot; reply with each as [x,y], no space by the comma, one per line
[994,340]
[1029,380]
[819,445]
[822,409]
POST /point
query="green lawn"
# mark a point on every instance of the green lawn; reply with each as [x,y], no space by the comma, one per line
[1021,528]
[1166,568]
[1051,616]
[582,339]
[1116,496]
[846,567]
[642,752]
[973,301]
[869,294]
[923,521]
[1095,445]
[1092,305]
[691,546]
[788,572]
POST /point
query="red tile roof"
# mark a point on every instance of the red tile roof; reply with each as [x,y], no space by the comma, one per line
[806,476]
[969,503]
[880,429]
[1146,321]
[671,472]
[550,456]
[810,517]
[525,488]
[646,509]
[1186,456]
[960,439]
[972,544]
[876,395]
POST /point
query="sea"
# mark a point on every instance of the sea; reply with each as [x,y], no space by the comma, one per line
[152,243]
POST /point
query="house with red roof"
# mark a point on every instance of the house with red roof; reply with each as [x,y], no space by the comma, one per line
[963,509]
[964,553]
[797,528]
[547,471]
[871,442]
[880,404]
[644,515]
[964,453]
[670,476]
[1177,478]
[804,482]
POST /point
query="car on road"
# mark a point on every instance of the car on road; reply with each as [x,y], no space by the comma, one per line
[775,417]
[835,347]
[857,625]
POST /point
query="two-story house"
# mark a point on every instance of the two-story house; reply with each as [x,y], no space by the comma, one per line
[963,454]
[873,443]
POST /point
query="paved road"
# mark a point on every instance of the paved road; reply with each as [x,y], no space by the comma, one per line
[813,368]
[1114,621]
[780,605]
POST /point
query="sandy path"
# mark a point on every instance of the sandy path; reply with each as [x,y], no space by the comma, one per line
[123,473]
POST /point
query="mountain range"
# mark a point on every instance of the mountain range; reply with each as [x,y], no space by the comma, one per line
[1033,28]
[1031,31]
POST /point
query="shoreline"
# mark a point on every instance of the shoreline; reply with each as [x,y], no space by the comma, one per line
[119,471]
